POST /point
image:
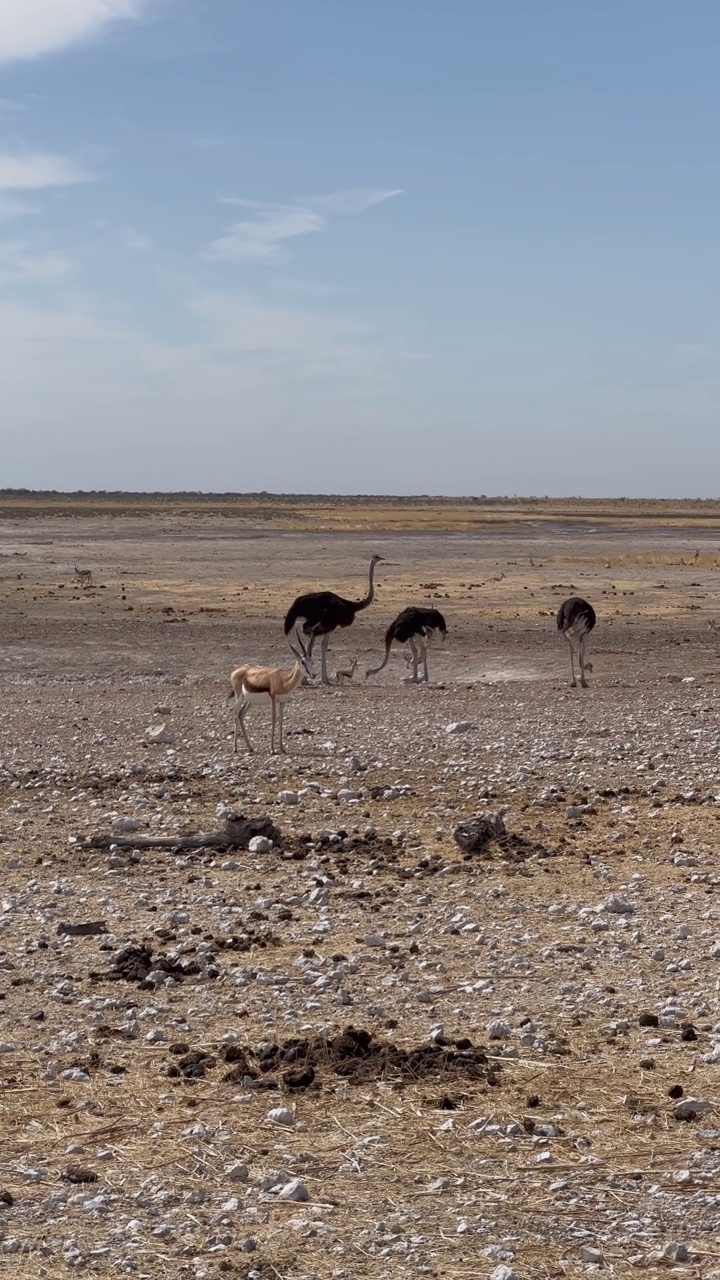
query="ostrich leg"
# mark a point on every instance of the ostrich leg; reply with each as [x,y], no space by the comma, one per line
[583,681]
[573,683]
[323,658]
[415,659]
[423,654]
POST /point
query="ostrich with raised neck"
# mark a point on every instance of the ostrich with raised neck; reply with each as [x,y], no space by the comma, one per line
[322,612]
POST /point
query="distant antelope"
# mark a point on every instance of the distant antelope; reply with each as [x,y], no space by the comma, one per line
[253,684]
[576,619]
[83,576]
[346,673]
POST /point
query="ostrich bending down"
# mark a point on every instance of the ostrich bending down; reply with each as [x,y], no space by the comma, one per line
[323,612]
[252,684]
[412,626]
[576,619]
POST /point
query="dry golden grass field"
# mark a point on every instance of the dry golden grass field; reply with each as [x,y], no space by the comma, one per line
[536,1015]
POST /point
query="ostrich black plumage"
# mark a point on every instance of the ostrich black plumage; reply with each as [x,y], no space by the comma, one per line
[323,612]
[576,619]
[412,627]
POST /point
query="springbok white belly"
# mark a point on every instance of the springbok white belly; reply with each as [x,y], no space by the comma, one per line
[262,698]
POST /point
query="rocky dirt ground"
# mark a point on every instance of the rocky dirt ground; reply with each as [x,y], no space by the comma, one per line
[361,1053]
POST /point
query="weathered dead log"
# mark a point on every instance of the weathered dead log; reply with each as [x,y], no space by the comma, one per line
[236,834]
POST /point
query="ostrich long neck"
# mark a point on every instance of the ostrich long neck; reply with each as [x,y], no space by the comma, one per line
[363,604]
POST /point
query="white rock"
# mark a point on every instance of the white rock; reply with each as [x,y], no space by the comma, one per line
[288,797]
[282,1115]
[498,1029]
[589,1253]
[125,826]
[619,906]
[159,733]
[504,1273]
[260,844]
[374,940]
[237,1172]
[458,726]
[295,1189]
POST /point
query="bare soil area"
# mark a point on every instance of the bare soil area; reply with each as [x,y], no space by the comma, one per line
[362,1054]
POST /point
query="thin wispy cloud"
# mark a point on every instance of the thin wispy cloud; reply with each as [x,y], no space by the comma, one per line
[33,172]
[258,240]
[19,264]
[132,240]
[10,208]
[30,28]
[349,203]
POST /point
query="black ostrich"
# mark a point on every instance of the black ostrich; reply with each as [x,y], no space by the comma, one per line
[412,626]
[323,612]
[576,619]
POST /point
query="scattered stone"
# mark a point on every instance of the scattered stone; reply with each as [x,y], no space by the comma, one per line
[74,1173]
[260,844]
[159,734]
[690,1108]
[282,1116]
[295,1189]
[473,836]
[649,1020]
[589,1253]
[498,1029]
[125,826]
[288,797]
[619,906]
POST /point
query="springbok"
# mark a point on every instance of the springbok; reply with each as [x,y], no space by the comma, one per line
[83,576]
[251,684]
[346,673]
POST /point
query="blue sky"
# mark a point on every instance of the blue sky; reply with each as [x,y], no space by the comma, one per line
[360,246]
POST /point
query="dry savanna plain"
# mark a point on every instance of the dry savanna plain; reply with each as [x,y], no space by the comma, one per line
[363,1053]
